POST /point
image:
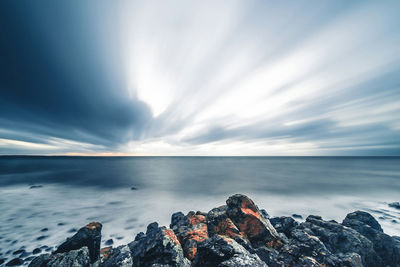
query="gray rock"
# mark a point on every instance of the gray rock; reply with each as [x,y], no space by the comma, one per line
[224,251]
[120,256]
[73,258]
[159,246]
[88,236]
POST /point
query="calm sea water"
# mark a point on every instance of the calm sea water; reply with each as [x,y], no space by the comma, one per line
[76,190]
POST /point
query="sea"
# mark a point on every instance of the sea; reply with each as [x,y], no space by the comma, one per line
[45,199]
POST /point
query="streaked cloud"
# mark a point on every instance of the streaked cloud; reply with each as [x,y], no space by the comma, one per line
[209,78]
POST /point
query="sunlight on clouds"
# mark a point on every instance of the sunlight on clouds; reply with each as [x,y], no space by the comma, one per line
[25,145]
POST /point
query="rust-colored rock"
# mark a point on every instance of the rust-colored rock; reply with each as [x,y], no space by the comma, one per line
[247,217]
[191,230]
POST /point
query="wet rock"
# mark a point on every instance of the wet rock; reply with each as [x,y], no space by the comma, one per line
[395,205]
[40,261]
[88,236]
[159,246]
[264,213]
[361,218]
[42,237]
[36,251]
[297,216]
[219,223]
[134,188]
[105,253]
[246,216]
[224,251]
[109,242]
[44,230]
[28,259]
[190,230]
[383,244]
[120,256]
[2,260]
[341,239]
[19,251]
[60,224]
[284,224]
[72,258]
[15,262]
[35,186]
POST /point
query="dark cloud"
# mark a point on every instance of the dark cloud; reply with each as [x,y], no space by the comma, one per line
[55,79]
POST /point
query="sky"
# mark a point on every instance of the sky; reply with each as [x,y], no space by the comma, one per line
[200,78]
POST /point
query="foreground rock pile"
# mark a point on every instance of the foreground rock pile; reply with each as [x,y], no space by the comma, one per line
[236,234]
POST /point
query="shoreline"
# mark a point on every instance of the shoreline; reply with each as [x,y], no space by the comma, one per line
[244,232]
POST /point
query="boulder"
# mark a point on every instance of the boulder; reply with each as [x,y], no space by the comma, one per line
[219,223]
[341,239]
[159,246]
[88,236]
[72,258]
[395,205]
[224,251]
[383,244]
[190,230]
[120,256]
[250,222]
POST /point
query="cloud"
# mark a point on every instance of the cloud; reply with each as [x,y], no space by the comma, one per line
[209,78]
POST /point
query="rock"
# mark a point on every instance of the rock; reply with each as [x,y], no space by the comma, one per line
[120,256]
[224,251]
[133,188]
[40,261]
[246,216]
[383,244]
[361,218]
[2,260]
[395,205]
[190,230]
[44,230]
[42,237]
[15,262]
[264,213]
[105,253]
[35,186]
[72,258]
[109,242]
[284,224]
[341,239]
[19,251]
[36,251]
[219,223]
[29,258]
[88,236]
[297,216]
[159,246]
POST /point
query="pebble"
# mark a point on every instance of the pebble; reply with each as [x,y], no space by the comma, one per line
[36,251]
[15,262]
[41,237]
[109,242]
[19,251]
[297,216]
[44,230]
[35,186]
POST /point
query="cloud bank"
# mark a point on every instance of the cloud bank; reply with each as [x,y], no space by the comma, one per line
[209,78]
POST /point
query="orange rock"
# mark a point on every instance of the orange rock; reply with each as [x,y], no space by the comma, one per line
[171,235]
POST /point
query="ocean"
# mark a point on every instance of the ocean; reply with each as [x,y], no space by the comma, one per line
[43,200]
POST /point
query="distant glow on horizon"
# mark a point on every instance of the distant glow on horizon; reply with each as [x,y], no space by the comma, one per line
[232,78]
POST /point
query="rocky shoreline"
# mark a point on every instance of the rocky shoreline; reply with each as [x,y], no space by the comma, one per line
[235,234]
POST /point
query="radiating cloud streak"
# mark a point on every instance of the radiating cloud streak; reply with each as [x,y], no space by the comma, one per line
[209,78]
